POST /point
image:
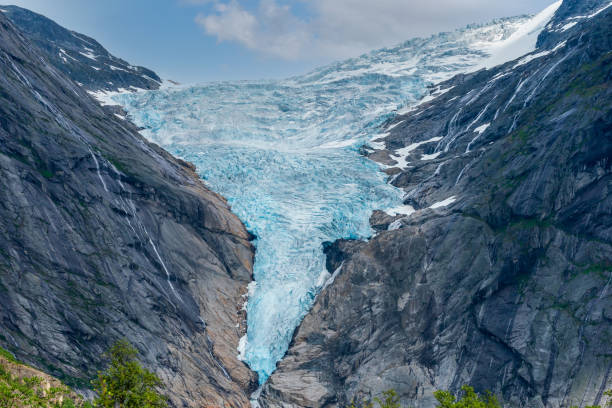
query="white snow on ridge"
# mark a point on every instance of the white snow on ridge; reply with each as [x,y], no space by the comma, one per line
[242,348]
[592,14]
[394,125]
[521,42]
[395,225]
[480,129]
[377,145]
[405,150]
[88,55]
[402,154]
[63,54]
[531,57]
[114,68]
[430,156]
[444,203]
[568,26]
[106,97]
[400,210]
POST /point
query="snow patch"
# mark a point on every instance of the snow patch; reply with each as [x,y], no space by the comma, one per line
[63,54]
[593,14]
[89,55]
[443,203]
[531,57]
[480,129]
[114,68]
[395,124]
[395,225]
[430,156]
[333,276]
[402,154]
[405,150]
[400,210]
[106,97]
[521,42]
[377,145]
[242,344]
[568,26]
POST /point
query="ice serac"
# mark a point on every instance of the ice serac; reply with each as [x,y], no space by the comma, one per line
[286,154]
[78,56]
[104,235]
[502,276]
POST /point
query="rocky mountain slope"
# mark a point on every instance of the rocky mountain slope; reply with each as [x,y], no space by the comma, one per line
[106,236]
[501,277]
[78,56]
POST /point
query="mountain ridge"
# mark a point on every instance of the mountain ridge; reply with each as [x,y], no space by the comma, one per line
[80,57]
[499,277]
[96,229]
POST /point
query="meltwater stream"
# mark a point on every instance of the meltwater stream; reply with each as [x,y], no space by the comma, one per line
[286,156]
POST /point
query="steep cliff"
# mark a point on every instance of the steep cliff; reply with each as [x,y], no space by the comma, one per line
[106,236]
[78,56]
[501,277]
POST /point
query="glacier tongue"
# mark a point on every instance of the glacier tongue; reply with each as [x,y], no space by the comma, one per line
[286,156]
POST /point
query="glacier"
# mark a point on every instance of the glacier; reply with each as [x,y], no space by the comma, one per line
[286,155]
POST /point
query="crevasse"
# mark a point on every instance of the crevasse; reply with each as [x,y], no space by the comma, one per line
[286,156]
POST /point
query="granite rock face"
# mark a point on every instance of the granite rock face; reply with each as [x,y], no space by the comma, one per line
[502,277]
[106,236]
[78,56]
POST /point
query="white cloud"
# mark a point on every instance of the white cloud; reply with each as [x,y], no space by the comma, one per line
[337,29]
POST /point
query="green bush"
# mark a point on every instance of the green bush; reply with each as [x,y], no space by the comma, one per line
[608,404]
[446,399]
[470,399]
[125,383]
[29,391]
[389,399]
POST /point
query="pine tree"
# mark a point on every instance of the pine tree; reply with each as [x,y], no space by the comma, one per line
[125,383]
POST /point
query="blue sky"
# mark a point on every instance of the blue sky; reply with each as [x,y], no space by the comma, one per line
[209,40]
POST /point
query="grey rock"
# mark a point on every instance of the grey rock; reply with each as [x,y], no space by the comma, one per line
[508,288]
[106,236]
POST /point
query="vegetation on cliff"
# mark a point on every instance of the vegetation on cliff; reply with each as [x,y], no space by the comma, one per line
[446,399]
[124,383]
[22,386]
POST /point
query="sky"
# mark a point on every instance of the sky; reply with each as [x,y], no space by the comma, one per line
[213,40]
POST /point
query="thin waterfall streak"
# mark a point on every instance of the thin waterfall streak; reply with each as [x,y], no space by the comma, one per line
[93,156]
[165,269]
[532,94]
[516,91]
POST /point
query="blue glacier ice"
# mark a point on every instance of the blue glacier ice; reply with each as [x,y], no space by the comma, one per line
[286,156]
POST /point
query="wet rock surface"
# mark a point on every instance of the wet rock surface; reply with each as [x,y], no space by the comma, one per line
[106,236]
[501,278]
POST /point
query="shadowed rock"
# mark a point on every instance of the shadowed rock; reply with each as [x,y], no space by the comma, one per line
[501,278]
[106,236]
